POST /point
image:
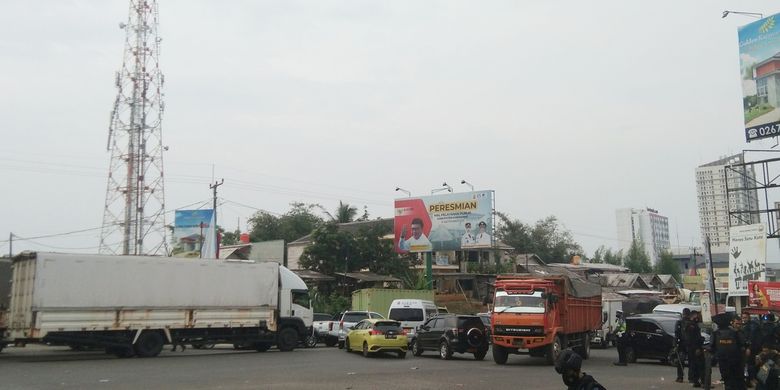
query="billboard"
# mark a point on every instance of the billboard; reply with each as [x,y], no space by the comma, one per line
[192,231]
[765,295]
[747,257]
[444,222]
[759,62]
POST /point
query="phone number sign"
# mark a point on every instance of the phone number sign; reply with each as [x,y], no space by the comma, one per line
[762,131]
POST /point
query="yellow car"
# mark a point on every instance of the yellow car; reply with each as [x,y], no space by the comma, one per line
[377,335]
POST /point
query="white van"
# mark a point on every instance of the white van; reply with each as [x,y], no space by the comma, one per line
[411,313]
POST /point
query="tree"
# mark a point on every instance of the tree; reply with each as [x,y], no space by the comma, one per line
[344,213]
[229,238]
[637,259]
[668,266]
[614,258]
[290,226]
[598,255]
[547,238]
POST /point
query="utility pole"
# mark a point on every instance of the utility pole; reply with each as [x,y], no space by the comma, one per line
[10,245]
[216,233]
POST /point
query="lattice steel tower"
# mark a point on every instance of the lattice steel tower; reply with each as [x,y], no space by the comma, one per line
[134,214]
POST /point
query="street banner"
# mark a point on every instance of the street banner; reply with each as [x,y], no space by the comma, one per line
[444,222]
[764,295]
[759,60]
[747,257]
[192,231]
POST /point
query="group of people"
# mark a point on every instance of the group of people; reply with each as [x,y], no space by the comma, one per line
[744,349]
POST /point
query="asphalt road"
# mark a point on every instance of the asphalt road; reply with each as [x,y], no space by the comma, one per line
[39,367]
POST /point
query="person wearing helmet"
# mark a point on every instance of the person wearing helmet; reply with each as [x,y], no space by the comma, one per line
[569,365]
[622,338]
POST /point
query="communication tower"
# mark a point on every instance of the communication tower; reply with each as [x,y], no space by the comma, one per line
[134,213]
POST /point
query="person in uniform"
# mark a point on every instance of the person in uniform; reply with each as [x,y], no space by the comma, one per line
[750,335]
[569,365]
[680,346]
[768,332]
[766,370]
[729,348]
[483,238]
[622,338]
[695,343]
[467,239]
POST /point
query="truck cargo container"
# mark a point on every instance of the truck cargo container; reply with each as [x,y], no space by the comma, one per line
[134,305]
[541,314]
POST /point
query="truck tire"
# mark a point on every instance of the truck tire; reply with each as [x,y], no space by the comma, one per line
[262,347]
[553,350]
[584,349]
[500,354]
[149,344]
[287,339]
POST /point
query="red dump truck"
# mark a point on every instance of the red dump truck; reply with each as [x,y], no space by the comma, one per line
[542,314]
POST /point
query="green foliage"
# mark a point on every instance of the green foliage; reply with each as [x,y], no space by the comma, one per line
[604,255]
[667,266]
[329,303]
[344,213]
[547,238]
[636,259]
[413,279]
[229,238]
[294,224]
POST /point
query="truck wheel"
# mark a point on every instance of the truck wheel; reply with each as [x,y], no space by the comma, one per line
[287,339]
[149,344]
[500,354]
[444,350]
[584,349]
[417,349]
[553,350]
[262,347]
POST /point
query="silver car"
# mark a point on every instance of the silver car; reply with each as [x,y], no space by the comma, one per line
[349,319]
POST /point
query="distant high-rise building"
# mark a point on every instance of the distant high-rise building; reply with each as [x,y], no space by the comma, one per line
[712,199]
[644,225]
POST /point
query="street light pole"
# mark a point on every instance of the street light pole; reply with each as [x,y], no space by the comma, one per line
[756,15]
[468,184]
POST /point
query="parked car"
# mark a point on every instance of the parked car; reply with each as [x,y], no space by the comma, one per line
[449,333]
[412,313]
[320,329]
[349,319]
[377,335]
[651,336]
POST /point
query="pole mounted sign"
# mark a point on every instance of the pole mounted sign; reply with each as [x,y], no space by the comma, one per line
[747,257]
[444,222]
[759,60]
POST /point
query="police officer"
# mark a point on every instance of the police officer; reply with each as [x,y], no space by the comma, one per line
[750,334]
[768,332]
[729,348]
[622,339]
[680,346]
[569,365]
[695,343]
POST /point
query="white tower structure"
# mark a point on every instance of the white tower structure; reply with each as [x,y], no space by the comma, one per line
[134,213]
[644,225]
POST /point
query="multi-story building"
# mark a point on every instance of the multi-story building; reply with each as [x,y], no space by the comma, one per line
[714,203]
[646,226]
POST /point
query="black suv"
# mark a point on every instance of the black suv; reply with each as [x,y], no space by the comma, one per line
[450,333]
[651,336]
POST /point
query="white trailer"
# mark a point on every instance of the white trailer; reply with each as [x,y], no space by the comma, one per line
[134,305]
[610,305]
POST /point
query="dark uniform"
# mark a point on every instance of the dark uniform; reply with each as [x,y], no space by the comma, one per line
[681,349]
[750,335]
[767,371]
[569,365]
[622,340]
[695,343]
[729,348]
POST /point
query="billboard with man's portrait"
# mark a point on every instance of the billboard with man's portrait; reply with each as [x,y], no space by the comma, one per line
[444,222]
[759,60]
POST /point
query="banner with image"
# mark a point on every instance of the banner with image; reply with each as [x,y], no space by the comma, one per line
[444,222]
[759,62]
[193,231]
[747,257]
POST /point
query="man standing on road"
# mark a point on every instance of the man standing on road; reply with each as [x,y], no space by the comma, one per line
[681,347]
[622,339]
[695,349]
[750,334]
[729,348]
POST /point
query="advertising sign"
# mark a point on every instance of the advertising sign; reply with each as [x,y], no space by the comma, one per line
[759,59]
[765,295]
[191,229]
[747,257]
[444,222]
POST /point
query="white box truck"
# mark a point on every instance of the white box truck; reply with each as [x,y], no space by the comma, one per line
[134,305]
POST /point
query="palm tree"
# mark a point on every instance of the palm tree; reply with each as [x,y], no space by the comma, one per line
[344,213]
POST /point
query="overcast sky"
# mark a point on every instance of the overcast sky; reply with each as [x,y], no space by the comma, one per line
[565,108]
